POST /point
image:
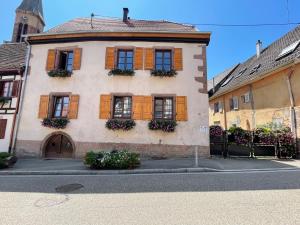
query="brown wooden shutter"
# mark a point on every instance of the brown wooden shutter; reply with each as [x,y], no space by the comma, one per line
[181,108]
[77,58]
[43,108]
[110,58]
[15,88]
[149,58]
[73,108]
[147,108]
[105,107]
[51,59]
[138,58]
[3,123]
[178,64]
[137,107]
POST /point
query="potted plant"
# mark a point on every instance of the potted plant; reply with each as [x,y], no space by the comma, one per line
[59,73]
[163,125]
[120,124]
[56,123]
[120,72]
[163,73]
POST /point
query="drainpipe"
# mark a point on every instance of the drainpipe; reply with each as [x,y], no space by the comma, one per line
[252,107]
[292,107]
[21,96]
[224,111]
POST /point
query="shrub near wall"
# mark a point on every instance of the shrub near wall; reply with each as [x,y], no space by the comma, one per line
[112,160]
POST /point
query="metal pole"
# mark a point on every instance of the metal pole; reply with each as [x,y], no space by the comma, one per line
[196,157]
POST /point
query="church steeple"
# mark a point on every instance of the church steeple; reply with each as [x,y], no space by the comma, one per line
[29,19]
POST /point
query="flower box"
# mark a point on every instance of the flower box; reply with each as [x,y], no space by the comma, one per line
[119,72]
[56,123]
[164,125]
[59,73]
[120,124]
[163,73]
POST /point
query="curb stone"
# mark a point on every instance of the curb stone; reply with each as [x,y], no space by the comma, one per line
[136,171]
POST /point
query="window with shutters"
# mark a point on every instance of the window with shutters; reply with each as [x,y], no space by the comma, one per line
[7,88]
[163,60]
[66,59]
[164,108]
[125,59]
[61,106]
[122,107]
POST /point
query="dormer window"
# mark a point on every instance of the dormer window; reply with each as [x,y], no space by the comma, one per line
[163,59]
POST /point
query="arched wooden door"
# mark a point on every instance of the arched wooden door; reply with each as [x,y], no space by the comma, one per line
[59,146]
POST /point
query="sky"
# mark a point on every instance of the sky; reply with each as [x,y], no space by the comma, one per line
[228,46]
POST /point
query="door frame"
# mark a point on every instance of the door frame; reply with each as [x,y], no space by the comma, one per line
[48,138]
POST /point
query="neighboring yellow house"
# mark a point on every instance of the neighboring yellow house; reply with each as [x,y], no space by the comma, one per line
[264,89]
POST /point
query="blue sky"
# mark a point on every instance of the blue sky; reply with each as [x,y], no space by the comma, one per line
[229,45]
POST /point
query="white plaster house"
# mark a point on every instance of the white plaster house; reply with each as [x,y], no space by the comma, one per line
[92,100]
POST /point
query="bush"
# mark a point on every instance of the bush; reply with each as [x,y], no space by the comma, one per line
[164,125]
[216,131]
[239,136]
[163,73]
[112,160]
[7,160]
[118,124]
[59,73]
[121,72]
[57,123]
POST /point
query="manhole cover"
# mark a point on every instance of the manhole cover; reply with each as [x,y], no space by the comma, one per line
[68,188]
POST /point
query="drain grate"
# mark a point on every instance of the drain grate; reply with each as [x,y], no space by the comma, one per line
[68,188]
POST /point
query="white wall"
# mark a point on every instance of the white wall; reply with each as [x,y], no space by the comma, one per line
[92,80]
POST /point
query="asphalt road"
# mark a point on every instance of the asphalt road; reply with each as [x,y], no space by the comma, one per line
[165,199]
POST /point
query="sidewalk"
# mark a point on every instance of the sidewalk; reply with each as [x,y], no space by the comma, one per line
[184,165]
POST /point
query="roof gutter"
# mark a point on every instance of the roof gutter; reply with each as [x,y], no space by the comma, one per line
[21,97]
[264,75]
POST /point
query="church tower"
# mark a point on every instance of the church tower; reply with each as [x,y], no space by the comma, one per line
[29,19]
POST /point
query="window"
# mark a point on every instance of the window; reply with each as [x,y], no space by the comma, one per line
[122,107]
[163,59]
[125,60]
[241,73]
[216,107]
[255,68]
[234,103]
[22,30]
[7,88]
[66,60]
[289,49]
[163,108]
[227,81]
[61,106]
[246,98]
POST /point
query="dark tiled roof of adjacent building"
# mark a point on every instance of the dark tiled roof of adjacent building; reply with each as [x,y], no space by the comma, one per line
[220,77]
[12,56]
[267,61]
[117,25]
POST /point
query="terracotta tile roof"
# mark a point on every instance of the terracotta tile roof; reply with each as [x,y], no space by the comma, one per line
[267,61]
[12,56]
[117,25]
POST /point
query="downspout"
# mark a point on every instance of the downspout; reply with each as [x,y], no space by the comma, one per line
[292,108]
[24,81]
[252,107]
[224,110]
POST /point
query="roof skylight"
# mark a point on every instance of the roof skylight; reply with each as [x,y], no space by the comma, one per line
[227,81]
[255,68]
[241,73]
[289,49]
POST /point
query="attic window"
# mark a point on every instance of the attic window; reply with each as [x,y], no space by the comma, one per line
[227,81]
[255,68]
[288,49]
[241,73]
